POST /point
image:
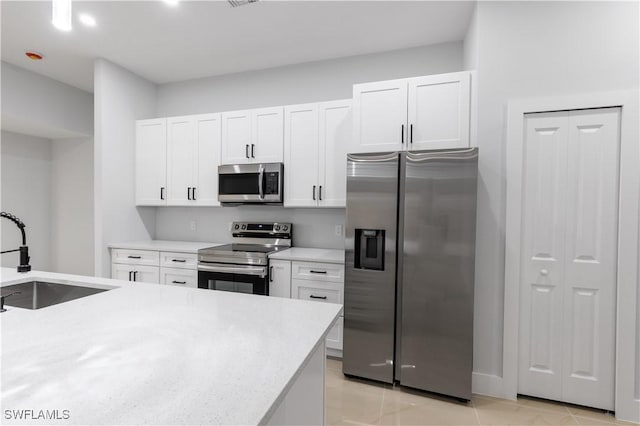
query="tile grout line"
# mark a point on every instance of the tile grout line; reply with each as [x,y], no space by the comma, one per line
[384,390]
[475,410]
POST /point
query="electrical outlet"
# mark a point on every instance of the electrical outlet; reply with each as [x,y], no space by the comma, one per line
[338,231]
[193,225]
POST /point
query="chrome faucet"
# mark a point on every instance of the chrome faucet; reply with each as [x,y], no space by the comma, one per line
[23,249]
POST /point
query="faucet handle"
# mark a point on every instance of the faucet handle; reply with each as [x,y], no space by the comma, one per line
[2,309]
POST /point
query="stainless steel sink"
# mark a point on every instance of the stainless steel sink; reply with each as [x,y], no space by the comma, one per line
[40,294]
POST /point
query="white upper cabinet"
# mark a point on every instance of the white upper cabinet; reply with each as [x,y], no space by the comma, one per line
[267,135]
[335,135]
[431,112]
[380,116]
[301,160]
[316,137]
[236,137]
[177,161]
[439,111]
[181,152]
[208,135]
[151,162]
[252,136]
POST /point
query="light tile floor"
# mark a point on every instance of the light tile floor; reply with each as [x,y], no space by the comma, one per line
[356,402]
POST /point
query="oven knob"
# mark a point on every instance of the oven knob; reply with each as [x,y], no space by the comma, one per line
[285,228]
[277,227]
[237,226]
[244,226]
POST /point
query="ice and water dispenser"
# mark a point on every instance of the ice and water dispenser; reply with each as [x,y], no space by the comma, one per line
[369,249]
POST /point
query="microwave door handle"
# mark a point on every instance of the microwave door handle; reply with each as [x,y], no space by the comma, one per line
[261,182]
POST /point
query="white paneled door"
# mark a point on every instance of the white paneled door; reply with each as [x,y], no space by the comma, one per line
[569,255]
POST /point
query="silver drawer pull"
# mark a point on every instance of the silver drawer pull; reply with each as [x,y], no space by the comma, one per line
[134,257]
[179,260]
[318,272]
[318,297]
[179,282]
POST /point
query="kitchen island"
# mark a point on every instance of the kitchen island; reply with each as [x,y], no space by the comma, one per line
[148,354]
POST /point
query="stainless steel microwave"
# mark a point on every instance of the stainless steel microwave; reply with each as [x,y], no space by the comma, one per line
[250,184]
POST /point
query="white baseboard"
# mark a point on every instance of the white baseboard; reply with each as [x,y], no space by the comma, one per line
[629,412]
[487,384]
[334,353]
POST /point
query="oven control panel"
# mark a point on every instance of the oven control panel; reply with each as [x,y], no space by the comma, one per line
[265,230]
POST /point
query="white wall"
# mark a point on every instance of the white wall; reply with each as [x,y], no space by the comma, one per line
[529,49]
[36,105]
[312,227]
[71,219]
[26,193]
[310,82]
[121,97]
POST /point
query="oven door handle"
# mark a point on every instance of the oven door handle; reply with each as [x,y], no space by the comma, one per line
[261,181]
[260,271]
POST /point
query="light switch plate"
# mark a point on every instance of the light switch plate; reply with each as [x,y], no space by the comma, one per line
[338,230]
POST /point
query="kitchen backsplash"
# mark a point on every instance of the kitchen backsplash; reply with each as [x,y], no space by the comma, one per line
[311,227]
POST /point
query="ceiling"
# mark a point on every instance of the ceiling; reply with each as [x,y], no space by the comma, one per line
[205,38]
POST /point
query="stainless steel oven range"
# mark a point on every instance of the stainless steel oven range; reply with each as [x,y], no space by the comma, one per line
[243,266]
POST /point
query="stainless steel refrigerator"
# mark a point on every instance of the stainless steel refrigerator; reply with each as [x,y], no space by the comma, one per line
[409,265]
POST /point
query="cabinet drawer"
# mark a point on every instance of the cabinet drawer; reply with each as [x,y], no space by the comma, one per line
[334,338]
[178,260]
[331,272]
[135,257]
[316,291]
[179,277]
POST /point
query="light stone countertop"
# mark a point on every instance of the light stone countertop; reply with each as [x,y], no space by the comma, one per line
[310,255]
[161,245]
[153,354]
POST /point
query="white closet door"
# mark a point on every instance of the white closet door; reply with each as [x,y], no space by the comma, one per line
[181,151]
[301,161]
[208,137]
[590,257]
[335,135]
[569,256]
[542,252]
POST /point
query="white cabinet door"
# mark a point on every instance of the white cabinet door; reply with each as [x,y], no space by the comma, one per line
[334,338]
[181,152]
[379,116]
[236,137]
[301,158]
[569,244]
[335,135]
[179,277]
[280,278]
[122,272]
[267,138]
[208,134]
[439,111]
[151,162]
[136,273]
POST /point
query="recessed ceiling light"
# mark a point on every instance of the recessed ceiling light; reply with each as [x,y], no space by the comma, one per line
[61,14]
[87,20]
[34,56]
[171,2]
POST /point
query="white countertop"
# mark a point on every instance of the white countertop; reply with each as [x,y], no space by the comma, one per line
[310,255]
[160,245]
[155,354]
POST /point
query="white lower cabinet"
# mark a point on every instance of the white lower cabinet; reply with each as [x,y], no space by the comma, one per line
[320,282]
[155,267]
[179,277]
[280,278]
